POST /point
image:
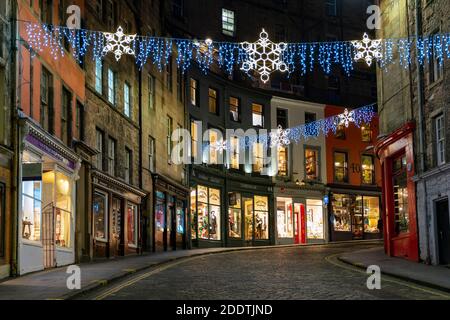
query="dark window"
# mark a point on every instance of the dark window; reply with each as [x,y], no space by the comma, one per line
[128,166]
[235,109]
[212,101]
[177,8]
[66,119]
[151,154]
[2,220]
[46,11]
[180,88]
[112,156]
[169,74]
[100,146]
[331,7]
[282,118]
[80,121]
[46,116]
[340,167]
[309,117]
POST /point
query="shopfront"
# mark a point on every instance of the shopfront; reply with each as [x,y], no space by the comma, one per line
[116,217]
[170,215]
[47,201]
[354,216]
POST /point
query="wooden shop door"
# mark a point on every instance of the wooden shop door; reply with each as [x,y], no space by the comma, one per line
[117,244]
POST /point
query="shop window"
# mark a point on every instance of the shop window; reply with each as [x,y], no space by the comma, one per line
[194,92]
[357,218]
[261,222]
[228,22]
[340,167]
[212,101]
[312,168]
[180,217]
[371,207]
[31,197]
[258,157]
[235,153]
[193,213]
[151,91]
[283,161]
[440,139]
[132,225]
[208,213]
[111,87]
[235,109]
[366,133]
[100,213]
[99,76]
[160,211]
[285,224]
[400,190]
[127,100]
[342,205]
[314,219]
[234,215]
[340,132]
[367,169]
[257,115]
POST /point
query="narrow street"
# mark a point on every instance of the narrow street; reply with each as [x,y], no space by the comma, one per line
[279,273]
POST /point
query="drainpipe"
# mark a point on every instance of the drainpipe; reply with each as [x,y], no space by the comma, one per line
[421,122]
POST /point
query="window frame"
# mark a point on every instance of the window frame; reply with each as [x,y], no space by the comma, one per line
[194,92]
[151,91]
[237,106]
[345,167]
[151,154]
[318,150]
[440,151]
[99,76]
[261,114]
[105,196]
[127,100]
[213,98]
[228,22]
[112,87]
[112,156]
[372,169]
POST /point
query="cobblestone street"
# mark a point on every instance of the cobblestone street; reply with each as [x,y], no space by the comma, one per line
[278,273]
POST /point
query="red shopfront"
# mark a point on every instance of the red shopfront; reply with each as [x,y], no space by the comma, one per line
[399,194]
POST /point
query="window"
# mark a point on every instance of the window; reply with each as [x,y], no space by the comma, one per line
[80,121]
[208,213]
[235,109]
[2,220]
[180,91]
[111,156]
[132,225]
[400,191]
[235,152]
[151,154]
[127,100]
[340,132]
[282,161]
[180,224]
[285,223]
[99,138]
[309,117]
[111,87]
[99,76]
[261,220]
[234,215]
[258,157]
[177,8]
[435,68]
[110,13]
[66,123]
[312,169]
[340,167]
[334,88]
[228,22]
[63,207]
[257,115]
[169,74]
[169,137]
[212,101]
[194,92]
[193,211]
[331,7]
[367,169]
[314,219]
[100,213]
[151,91]
[194,138]
[46,117]
[440,140]
[46,11]
[366,133]
[282,118]
[31,198]
[128,166]
[214,154]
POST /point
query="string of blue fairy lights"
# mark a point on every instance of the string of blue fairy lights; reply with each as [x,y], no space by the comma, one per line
[301,57]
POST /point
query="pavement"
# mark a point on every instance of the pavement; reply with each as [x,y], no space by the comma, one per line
[51,284]
[437,277]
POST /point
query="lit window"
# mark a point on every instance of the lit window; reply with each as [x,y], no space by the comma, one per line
[366,133]
[100,213]
[99,76]
[400,191]
[127,100]
[234,215]
[234,156]
[311,164]
[258,157]
[285,224]
[132,225]
[212,101]
[194,92]
[340,167]
[111,87]
[63,208]
[234,109]
[208,213]
[340,132]
[257,115]
[228,22]
[282,161]
[440,140]
[194,139]
[367,169]
[213,152]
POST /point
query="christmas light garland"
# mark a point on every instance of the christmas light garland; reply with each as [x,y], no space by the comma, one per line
[261,57]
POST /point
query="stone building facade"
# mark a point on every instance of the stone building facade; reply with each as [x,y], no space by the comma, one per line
[414,142]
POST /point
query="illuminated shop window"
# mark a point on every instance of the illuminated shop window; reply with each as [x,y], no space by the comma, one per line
[132,225]
[193,213]
[371,207]
[180,218]
[234,215]
[314,219]
[285,218]
[311,164]
[160,211]
[208,213]
[100,213]
[400,189]
[261,222]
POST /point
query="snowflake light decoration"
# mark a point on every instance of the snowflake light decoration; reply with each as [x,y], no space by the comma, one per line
[118,43]
[264,56]
[367,49]
[346,117]
[280,137]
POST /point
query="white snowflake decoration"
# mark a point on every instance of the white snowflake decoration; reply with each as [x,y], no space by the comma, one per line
[280,137]
[346,117]
[220,146]
[367,49]
[118,43]
[265,56]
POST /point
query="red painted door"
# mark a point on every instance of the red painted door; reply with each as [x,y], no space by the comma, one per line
[299,223]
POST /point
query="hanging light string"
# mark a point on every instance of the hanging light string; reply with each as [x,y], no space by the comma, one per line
[303,57]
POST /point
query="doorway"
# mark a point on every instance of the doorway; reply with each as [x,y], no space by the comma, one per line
[117,245]
[443,231]
[299,223]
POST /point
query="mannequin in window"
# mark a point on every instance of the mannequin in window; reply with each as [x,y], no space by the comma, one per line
[213,224]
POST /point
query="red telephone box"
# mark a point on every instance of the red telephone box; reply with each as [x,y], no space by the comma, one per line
[299,223]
